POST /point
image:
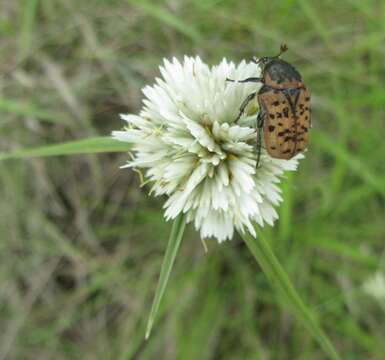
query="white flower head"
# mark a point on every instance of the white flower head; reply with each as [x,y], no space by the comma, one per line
[375,286]
[194,152]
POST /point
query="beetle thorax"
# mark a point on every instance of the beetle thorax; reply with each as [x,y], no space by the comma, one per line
[280,74]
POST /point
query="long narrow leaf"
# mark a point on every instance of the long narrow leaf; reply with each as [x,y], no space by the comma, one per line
[168,262]
[84,146]
[279,278]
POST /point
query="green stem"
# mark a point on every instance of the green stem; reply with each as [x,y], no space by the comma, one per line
[168,262]
[278,277]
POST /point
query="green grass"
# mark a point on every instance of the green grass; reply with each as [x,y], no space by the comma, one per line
[82,245]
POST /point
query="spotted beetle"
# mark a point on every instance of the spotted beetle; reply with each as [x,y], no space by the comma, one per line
[284,107]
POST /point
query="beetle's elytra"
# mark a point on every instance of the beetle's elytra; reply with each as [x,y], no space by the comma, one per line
[284,107]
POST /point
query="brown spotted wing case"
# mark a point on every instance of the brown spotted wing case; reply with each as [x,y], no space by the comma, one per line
[286,123]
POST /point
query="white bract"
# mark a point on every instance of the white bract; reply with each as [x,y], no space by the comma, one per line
[194,153]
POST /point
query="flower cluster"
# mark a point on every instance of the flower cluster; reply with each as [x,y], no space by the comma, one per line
[196,154]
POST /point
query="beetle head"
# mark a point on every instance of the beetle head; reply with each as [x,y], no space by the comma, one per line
[263,61]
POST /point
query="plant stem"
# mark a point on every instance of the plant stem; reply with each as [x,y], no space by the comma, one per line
[270,265]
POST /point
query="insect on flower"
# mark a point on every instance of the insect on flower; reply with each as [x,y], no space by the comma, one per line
[189,148]
[284,103]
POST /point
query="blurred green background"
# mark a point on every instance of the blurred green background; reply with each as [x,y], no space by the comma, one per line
[81,244]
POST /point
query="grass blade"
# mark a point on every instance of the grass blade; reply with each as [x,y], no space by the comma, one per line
[355,165]
[84,146]
[29,8]
[168,261]
[279,279]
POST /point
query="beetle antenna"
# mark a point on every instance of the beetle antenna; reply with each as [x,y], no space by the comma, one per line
[282,49]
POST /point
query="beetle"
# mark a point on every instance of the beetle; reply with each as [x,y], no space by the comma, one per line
[284,107]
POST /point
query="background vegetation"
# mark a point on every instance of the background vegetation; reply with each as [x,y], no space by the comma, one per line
[81,245]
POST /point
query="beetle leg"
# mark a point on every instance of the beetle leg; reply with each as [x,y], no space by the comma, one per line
[260,121]
[244,104]
[250,79]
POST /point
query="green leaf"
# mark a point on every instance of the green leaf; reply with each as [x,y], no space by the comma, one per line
[84,146]
[281,282]
[168,261]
